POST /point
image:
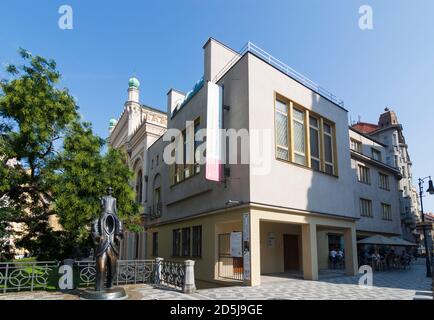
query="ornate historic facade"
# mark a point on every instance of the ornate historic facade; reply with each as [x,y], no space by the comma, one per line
[138,127]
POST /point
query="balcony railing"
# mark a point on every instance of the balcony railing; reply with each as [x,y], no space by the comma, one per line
[254,49]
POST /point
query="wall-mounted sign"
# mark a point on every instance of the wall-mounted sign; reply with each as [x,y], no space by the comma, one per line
[271,240]
[214,143]
[246,246]
[236,244]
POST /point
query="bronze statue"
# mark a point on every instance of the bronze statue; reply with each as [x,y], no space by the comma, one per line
[107,234]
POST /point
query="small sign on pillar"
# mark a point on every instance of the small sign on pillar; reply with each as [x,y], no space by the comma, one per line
[246,246]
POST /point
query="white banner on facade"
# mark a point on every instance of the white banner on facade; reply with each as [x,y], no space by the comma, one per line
[214,143]
[236,244]
[246,245]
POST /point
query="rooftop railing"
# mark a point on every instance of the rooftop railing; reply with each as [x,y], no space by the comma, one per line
[250,47]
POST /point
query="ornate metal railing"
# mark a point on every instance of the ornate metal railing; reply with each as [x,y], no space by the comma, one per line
[135,271]
[86,273]
[25,276]
[128,272]
[30,276]
[172,274]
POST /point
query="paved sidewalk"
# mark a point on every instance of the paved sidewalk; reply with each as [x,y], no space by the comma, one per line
[394,285]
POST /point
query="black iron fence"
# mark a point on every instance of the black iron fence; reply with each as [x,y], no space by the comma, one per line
[229,267]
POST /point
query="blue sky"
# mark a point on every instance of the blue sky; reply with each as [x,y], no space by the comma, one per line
[161,43]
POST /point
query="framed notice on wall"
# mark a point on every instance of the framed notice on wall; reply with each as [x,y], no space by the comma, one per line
[271,240]
[236,244]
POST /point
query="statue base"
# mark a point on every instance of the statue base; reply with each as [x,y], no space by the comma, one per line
[106,294]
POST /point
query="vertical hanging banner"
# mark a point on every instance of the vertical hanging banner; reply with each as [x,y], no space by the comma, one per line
[214,143]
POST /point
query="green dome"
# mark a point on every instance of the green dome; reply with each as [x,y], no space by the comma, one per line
[134,82]
[113,122]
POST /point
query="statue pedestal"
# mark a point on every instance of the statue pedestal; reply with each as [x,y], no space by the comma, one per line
[106,294]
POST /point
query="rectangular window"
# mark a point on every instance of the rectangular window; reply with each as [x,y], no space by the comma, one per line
[328,148]
[155,244]
[185,167]
[197,241]
[299,137]
[386,210]
[356,145]
[304,137]
[157,201]
[376,154]
[366,208]
[176,243]
[182,170]
[314,144]
[196,145]
[383,181]
[186,242]
[282,140]
[364,175]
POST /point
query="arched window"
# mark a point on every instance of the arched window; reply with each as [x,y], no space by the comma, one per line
[139,187]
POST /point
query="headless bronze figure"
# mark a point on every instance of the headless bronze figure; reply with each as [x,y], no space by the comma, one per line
[107,234]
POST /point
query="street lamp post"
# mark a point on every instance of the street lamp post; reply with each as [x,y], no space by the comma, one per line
[427,250]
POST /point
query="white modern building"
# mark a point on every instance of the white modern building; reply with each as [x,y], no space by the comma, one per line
[283,209]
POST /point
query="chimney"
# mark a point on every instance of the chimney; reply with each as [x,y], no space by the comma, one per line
[173,98]
[217,56]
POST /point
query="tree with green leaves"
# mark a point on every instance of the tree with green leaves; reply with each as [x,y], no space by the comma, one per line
[52,164]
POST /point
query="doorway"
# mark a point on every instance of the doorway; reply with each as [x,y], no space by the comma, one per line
[291,252]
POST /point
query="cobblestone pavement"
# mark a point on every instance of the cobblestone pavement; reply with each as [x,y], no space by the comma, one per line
[396,285]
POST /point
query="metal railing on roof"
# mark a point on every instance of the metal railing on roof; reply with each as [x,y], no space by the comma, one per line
[250,47]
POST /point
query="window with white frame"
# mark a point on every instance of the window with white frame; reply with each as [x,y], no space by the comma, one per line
[366,208]
[376,154]
[364,174]
[383,181]
[356,145]
[386,210]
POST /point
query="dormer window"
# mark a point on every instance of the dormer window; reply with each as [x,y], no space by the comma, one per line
[376,154]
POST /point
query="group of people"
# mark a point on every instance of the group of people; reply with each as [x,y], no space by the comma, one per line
[384,259]
[336,257]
